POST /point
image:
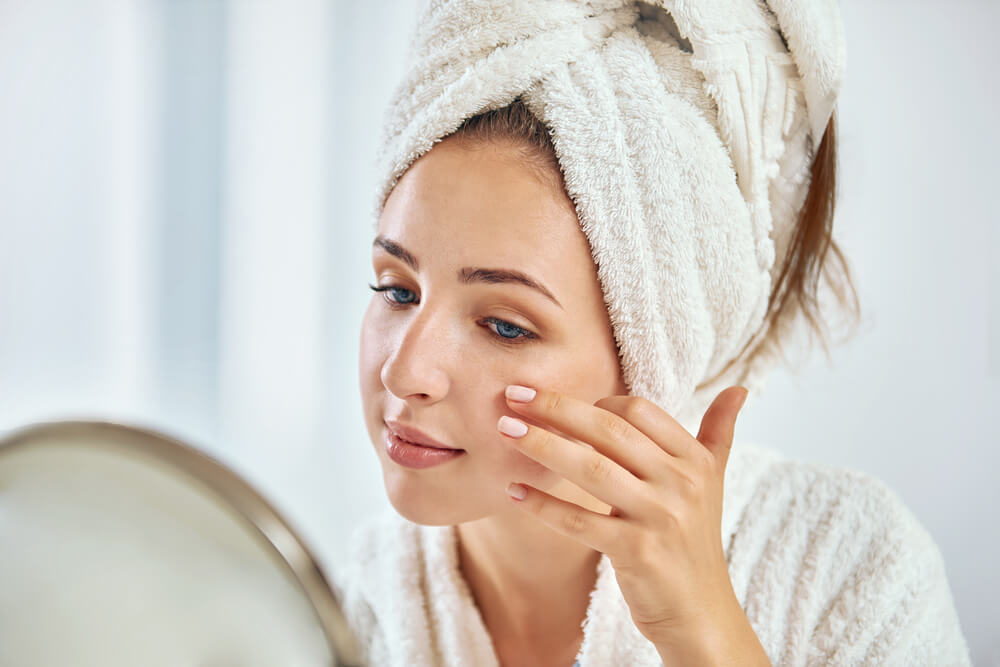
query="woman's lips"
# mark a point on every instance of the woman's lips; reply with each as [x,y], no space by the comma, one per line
[412,455]
[413,435]
[409,446]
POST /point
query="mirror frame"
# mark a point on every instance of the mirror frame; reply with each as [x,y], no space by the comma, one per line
[232,490]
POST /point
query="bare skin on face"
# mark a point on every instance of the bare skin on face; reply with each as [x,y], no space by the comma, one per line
[492,284]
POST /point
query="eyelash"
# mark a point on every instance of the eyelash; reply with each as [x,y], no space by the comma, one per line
[527,335]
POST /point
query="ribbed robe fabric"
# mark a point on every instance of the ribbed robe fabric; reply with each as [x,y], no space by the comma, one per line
[829,565]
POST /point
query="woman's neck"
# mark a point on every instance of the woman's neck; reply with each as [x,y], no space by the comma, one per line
[531,584]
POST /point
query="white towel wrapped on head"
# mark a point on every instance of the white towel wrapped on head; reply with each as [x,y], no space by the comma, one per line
[684,131]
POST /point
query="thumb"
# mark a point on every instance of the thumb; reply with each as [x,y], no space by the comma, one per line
[719,423]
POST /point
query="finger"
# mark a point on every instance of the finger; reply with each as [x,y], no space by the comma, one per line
[718,425]
[589,469]
[605,431]
[598,531]
[655,423]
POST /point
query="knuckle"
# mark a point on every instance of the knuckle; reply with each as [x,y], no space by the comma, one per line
[574,521]
[537,508]
[553,400]
[704,460]
[613,425]
[681,521]
[543,442]
[689,486]
[671,520]
[597,469]
[643,551]
[638,409]
[666,513]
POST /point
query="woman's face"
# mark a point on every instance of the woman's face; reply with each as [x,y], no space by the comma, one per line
[460,323]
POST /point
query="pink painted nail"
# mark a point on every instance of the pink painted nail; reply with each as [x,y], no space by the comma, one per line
[516,491]
[516,392]
[512,427]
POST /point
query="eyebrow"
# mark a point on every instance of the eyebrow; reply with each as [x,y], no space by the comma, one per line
[469,274]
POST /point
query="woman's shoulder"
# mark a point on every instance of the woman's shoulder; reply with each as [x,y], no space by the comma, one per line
[804,487]
[833,566]
[843,514]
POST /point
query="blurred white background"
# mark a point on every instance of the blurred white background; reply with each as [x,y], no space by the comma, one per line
[185,229]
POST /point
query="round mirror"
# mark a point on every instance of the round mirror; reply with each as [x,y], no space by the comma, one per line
[121,546]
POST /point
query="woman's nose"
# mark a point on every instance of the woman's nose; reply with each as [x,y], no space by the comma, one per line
[415,369]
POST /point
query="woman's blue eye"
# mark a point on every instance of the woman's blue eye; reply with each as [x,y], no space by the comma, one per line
[395,291]
[510,332]
[408,296]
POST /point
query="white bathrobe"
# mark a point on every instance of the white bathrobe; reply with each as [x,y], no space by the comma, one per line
[829,565]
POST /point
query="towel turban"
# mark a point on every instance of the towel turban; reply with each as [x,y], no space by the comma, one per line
[685,131]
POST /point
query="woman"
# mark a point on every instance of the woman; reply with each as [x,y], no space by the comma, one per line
[598,223]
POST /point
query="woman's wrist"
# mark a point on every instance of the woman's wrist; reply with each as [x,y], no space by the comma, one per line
[719,639]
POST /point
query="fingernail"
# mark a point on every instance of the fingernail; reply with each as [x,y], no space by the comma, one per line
[516,392]
[512,427]
[516,491]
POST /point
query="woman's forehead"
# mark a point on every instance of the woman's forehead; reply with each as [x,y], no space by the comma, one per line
[482,204]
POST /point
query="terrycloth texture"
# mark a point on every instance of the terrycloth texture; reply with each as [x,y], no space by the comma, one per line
[829,565]
[685,144]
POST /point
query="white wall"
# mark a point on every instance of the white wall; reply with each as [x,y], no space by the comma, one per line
[184,199]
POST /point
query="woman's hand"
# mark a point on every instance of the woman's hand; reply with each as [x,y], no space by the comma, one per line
[663,536]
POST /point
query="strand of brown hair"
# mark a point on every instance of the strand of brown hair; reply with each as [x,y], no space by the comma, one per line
[813,258]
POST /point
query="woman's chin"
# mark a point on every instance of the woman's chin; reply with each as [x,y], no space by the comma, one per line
[425,506]
[426,516]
